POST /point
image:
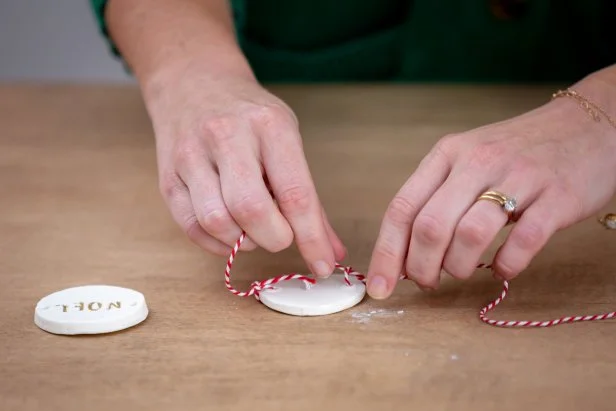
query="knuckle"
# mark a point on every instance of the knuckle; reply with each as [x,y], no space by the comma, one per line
[215,219]
[272,116]
[309,238]
[386,251]
[447,145]
[428,230]
[419,274]
[219,132]
[297,198]
[457,268]
[419,277]
[400,211]
[282,243]
[458,272]
[473,232]
[169,187]
[249,207]
[192,228]
[188,152]
[219,126]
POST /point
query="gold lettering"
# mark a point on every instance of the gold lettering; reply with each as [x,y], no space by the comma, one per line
[117,304]
[94,304]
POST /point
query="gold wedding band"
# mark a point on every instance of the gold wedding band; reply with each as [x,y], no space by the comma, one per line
[508,204]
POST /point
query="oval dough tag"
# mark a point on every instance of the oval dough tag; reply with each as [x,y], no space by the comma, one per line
[92,309]
[327,296]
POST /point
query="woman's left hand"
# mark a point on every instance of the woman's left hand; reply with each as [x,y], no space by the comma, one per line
[556,161]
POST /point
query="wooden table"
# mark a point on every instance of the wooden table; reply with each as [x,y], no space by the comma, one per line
[80,205]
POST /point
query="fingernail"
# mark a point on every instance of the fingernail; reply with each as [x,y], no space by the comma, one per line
[497,276]
[321,269]
[377,287]
[424,287]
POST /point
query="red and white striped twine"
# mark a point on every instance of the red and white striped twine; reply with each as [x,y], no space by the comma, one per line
[258,286]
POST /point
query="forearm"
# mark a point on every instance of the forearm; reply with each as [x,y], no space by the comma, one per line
[157,37]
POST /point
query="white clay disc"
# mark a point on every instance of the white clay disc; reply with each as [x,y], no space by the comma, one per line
[326,296]
[92,309]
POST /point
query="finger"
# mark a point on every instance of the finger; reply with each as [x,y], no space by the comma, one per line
[392,243]
[339,248]
[246,195]
[291,182]
[530,233]
[205,192]
[433,228]
[180,205]
[479,227]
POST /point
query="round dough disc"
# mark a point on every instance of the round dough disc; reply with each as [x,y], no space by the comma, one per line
[327,296]
[92,309]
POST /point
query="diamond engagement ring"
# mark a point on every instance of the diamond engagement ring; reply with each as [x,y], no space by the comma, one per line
[609,221]
[508,204]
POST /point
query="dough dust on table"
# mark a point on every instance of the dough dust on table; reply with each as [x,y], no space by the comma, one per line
[364,317]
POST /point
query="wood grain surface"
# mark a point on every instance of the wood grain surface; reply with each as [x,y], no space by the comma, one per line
[80,205]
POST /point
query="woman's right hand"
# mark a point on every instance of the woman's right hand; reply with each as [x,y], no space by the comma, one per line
[230,159]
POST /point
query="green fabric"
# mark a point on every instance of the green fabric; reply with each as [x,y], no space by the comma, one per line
[98,7]
[420,40]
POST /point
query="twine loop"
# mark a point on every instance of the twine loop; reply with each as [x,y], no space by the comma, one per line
[258,286]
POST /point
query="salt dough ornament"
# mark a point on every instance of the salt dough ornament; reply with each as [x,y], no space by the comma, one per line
[300,295]
[326,296]
[92,309]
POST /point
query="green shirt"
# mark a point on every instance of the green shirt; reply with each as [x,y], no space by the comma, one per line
[421,40]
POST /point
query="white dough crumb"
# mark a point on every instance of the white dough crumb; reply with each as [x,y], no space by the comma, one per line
[365,317]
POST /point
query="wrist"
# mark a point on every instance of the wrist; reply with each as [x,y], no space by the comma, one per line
[200,71]
[591,103]
[600,89]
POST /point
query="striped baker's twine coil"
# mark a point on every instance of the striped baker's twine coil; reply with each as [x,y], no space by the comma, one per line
[548,323]
[258,286]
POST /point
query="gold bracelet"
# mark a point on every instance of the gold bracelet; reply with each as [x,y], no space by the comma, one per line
[591,108]
[608,220]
